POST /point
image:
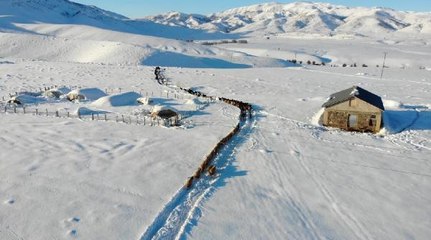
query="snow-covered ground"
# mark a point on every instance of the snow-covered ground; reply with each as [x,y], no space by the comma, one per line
[282,177]
[301,181]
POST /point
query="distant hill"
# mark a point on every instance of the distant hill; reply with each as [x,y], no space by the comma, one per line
[305,17]
[24,15]
[61,30]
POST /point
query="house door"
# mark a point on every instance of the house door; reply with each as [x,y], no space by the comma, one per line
[353,121]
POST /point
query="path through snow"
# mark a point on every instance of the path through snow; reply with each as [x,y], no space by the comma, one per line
[182,212]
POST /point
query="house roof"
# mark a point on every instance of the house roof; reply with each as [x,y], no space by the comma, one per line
[351,93]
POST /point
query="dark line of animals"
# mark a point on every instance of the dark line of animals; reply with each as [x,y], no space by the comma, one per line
[246,110]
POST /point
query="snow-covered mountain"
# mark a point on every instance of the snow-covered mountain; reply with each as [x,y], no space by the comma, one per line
[29,15]
[304,17]
[61,30]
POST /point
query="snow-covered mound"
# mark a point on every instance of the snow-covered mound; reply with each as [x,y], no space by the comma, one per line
[322,18]
[87,111]
[89,94]
[27,99]
[118,100]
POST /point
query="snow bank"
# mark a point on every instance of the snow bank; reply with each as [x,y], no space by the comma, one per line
[316,119]
[87,111]
[90,94]
[391,104]
[118,100]
[194,101]
[28,99]
[172,59]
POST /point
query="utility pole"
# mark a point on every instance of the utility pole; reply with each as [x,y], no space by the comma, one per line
[383,66]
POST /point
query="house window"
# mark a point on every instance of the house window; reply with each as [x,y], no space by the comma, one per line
[372,121]
[353,120]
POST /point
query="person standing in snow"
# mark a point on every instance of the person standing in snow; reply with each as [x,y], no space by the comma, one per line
[157,73]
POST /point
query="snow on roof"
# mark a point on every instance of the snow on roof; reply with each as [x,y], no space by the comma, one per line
[353,92]
[159,108]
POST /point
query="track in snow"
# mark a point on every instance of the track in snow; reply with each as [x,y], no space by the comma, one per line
[182,212]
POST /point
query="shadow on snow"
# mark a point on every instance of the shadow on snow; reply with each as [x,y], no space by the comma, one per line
[409,117]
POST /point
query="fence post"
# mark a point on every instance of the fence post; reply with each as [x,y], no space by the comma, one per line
[5,108]
[106,119]
[122,116]
[68,114]
[37,111]
[57,114]
[47,114]
[144,120]
[92,116]
[79,114]
[14,109]
[23,109]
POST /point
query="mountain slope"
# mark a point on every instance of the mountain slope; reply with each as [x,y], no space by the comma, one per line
[306,17]
[23,15]
[66,31]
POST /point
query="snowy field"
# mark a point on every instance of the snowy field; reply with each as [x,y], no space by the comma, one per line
[284,176]
[301,181]
[289,177]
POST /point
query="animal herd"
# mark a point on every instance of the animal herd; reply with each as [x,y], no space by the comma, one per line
[246,111]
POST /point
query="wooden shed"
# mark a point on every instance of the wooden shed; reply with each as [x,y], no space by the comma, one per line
[354,109]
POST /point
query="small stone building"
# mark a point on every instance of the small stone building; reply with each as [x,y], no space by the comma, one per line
[354,109]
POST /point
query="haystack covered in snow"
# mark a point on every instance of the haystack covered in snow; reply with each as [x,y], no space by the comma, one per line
[145,100]
[168,115]
[354,109]
[164,112]
[118,100]
[52,93]
[85,94]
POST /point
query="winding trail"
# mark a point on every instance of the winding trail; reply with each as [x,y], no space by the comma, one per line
[182,212]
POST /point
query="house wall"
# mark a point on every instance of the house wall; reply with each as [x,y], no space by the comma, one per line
[338,116]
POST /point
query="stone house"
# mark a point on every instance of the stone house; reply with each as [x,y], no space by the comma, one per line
[354,109]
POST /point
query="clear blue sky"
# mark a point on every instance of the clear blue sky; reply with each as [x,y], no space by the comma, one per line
[140,8]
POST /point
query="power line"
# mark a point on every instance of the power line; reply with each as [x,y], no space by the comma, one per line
[383,65]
